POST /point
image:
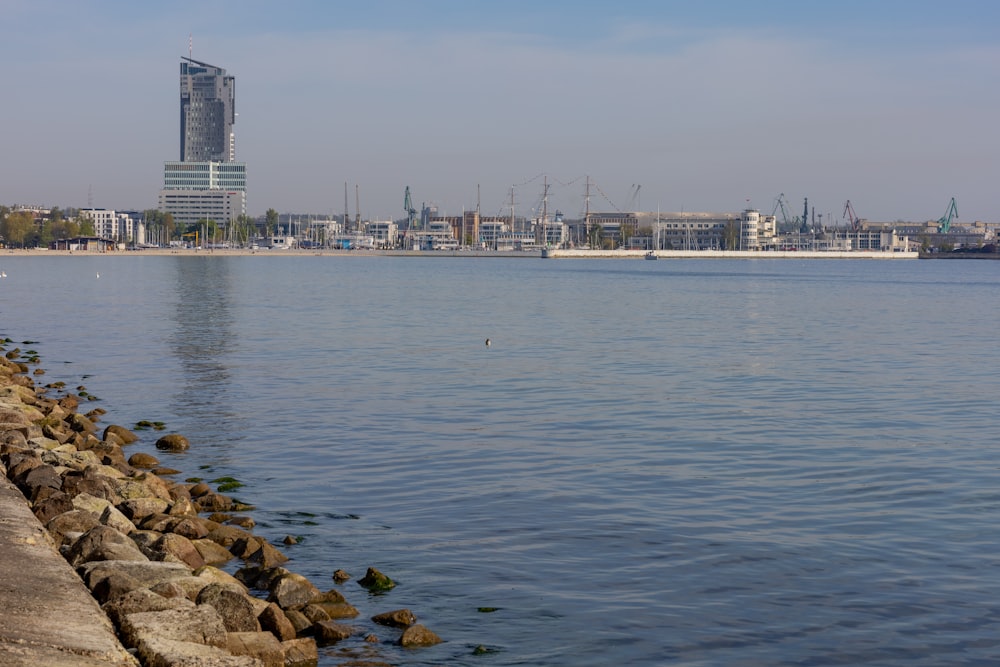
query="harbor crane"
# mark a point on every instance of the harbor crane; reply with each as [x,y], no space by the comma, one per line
[851,216]
[411,213]
[779,203]
[944,222]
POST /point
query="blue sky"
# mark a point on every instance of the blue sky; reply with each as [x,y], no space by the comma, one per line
[705,105]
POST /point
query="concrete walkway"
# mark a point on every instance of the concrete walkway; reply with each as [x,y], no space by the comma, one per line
[47,615]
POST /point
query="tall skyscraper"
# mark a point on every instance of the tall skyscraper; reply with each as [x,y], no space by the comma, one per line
[207,183]
[208,111]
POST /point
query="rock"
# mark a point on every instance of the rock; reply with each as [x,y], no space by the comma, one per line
[417,636]
[146,573]
[108,513]
[375,581]
[245,522]
[74,521]
[138,509]
[400,618]
[182,506]
[235,609]
[214,575]
[52,506]
[113,586]
[291,590]
[334,605]
[171,590]
[314,613]
[340,576]
[115,519]
[97,486]
[261,645]
[228,535]
[274,620]
[160,652]
[181,548]
[80,424]
[299,621]
[245,546]
[191,527]
[103,543]
[213,502]
[39,476]
[300,652]
[267,556]
[202,625]
[212,553]
[200,489]
[173,442]
[142,600]
[331,632]
[143,485]
[126,436]
[143,460]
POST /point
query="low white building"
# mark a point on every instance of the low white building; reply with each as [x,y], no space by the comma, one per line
[118,225]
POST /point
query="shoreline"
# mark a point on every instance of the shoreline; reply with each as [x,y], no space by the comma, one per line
[520,254]
[150,550]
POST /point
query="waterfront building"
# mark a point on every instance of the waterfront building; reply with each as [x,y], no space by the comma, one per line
[208,111]
[384,233]
[120,226]
[189,206]
[206,183]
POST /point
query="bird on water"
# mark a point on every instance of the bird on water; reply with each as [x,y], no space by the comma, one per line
[487,342]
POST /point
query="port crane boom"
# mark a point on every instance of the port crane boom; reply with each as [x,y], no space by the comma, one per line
[851,216]
[944,222]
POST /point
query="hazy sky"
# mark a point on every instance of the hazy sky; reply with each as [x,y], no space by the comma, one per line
[892,104]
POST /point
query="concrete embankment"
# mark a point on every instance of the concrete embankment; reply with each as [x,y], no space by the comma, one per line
[47,615]
[106,561]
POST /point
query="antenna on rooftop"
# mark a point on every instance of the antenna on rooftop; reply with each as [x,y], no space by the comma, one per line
[190,45]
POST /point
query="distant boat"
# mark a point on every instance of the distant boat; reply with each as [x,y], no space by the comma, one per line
[651,255]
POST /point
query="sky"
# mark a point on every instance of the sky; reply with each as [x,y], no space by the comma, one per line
[893,105]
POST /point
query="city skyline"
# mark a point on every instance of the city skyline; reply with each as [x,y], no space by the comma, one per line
[663,106]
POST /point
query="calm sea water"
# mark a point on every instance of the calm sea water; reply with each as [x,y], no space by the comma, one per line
[654,463]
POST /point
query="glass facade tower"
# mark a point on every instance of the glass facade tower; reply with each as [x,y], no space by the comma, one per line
[208,111]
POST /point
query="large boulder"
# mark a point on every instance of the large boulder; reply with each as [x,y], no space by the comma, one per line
[260,645]
[156,651]
[274,620]
[103,543]
[125,436]
[234,607]
[417,636]
[173,442]
[292,590]
[142,600]
[172,545]
[201,625]
[400,618]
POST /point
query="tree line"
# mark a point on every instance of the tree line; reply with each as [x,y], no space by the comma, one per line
[22,229]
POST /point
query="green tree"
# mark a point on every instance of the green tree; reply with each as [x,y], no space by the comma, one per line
[85,225]
[731,235]
[627,231]
[270,221]
[595,236]
[18,227]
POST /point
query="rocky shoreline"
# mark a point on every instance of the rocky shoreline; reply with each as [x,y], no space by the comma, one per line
[151,550]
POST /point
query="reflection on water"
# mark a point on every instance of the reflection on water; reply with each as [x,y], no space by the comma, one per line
[202,340]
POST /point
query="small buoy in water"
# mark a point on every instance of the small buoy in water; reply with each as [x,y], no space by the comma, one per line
[98,275]
[487,342]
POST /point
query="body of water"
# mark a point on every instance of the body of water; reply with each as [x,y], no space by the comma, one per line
[738,462]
